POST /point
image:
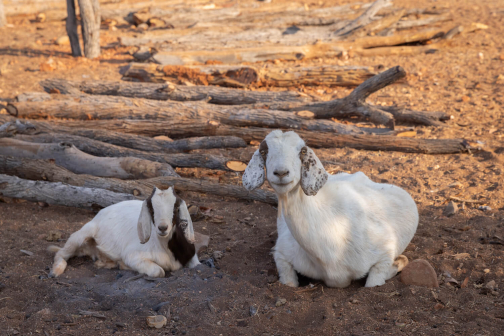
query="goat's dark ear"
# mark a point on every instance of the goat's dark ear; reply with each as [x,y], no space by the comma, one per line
[146,219]
[313,174]
[254,174]
[185,222]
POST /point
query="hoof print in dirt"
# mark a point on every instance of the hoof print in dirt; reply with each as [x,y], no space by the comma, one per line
[419,273]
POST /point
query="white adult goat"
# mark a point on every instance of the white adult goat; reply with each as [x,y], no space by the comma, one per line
[336,228]
[119,235]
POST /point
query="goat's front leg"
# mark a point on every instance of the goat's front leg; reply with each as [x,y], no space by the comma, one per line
[145,266]
[285,270]
[193,262]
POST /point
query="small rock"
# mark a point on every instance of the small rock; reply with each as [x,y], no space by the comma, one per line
[456,185]
[486,270]
[120,325]
[500,79]
[419,273]
[252,310]
[143,26]
[41,17]
[241,323]
[280,302]
[438,306]
[466,99]
[484,208]
[228,249]
[217,255]
[219,323]
[157,321]
[48,65]
[451,209]
[460,256]
[501,57]
[211,307]
[2,286]
[247,219]
[62,40]
[45,311]
[490,285]
[53,236]
[26,252]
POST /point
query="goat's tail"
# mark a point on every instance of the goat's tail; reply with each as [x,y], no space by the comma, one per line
[400,262]
[53,249]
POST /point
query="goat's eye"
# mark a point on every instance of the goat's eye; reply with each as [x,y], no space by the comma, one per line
[263,152]
[303,150]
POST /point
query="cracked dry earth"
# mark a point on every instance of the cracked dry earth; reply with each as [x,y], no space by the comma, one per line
[239,296]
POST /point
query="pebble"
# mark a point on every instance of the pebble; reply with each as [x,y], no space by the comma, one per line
[143,26]
[280,302]
[217,255]
[419,273]
[490,285]
[63,40]
[252,310]
[451,209]
[486,270]
[157,321]
[438,306]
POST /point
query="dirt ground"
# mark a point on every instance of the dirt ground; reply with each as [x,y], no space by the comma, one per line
[239,295]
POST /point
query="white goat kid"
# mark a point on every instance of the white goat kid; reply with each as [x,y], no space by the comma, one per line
[119,235]
[336,228]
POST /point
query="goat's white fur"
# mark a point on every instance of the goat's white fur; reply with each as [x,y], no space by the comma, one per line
[351,227]
[119,236]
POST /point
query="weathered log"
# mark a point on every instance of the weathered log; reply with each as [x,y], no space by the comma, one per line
[71,29]
[314,139]
[139,142]
[102,149]
[375,27]
[178,113]
[215,95]
[354,104]
[49,171]
[90,16]
[365,142]
[242,76]
[59,193]
[68,156]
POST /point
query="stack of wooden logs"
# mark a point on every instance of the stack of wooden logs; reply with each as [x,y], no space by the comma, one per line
[94,143]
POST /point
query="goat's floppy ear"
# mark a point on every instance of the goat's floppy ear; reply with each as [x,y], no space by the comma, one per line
[146,219]
[185,222]
[313,174]
[253,177]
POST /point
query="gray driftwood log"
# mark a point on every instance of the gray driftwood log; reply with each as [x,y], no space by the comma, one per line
[49,171]
[68,156]
[59,193]
[102,149]
[215,95]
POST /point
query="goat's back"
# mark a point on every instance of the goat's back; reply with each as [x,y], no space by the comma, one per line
[379,209]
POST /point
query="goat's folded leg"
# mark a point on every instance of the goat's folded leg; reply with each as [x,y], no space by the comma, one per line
[285,270]
[145,266]
[193,262]
[380,272]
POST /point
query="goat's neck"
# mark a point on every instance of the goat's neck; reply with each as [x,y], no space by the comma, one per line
[302,215]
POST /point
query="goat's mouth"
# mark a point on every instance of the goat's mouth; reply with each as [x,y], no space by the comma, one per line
[281,184]
[163,234]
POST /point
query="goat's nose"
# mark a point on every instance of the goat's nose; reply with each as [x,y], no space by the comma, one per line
[281,173]
[163,228]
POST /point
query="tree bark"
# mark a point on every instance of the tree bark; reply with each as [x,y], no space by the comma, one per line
[71,28]
[49,171]
[68,156]
[215,95]
[90,16]
[3,18]
[102,149]
[59,193]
